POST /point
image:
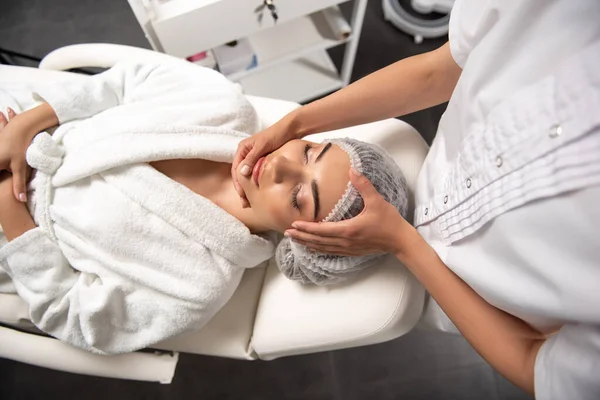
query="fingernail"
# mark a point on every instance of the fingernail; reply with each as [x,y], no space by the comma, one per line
[287,234]
[245,170]
[355,172]
[295,225]
[22,197]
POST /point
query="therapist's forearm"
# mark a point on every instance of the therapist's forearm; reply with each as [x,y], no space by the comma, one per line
[407,86]
[506,342]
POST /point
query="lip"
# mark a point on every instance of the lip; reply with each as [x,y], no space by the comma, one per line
[257,170]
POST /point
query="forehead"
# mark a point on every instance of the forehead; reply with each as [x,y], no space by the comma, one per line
[332,175]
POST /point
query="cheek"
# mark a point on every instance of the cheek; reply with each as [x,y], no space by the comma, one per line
[273,211]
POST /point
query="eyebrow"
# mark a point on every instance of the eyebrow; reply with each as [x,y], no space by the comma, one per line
[327,147]
[315,193]
[315,188]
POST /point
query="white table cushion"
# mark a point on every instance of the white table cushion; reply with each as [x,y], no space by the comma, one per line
[51,353]
[381,304]
[229,332]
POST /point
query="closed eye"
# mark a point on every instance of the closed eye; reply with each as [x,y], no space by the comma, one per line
[296,190]
[295,198]
[306,149]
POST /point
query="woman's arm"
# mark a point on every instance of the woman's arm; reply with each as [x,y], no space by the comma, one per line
[153,86]
[35,120]
[504,341]
[15,138]
[14,216]
[109,313]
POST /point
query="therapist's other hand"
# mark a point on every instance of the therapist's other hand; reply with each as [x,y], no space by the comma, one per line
[379,228]
[250,150]
[15,137]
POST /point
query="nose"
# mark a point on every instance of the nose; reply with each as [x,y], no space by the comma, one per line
[284,168]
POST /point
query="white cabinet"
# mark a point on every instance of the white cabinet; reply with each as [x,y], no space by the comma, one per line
[292,62]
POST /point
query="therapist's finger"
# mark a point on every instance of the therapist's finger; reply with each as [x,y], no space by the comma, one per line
[240,190]
[363,185]
[242,151]
[236,183]
[335,250]
[316,239]
[328,229]
[245,202]
[251,158]
[237,186]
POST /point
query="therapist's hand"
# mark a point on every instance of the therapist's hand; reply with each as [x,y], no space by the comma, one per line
[379,228]
[250,150]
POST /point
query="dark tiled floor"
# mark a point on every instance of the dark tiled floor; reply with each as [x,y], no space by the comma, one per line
[420,365]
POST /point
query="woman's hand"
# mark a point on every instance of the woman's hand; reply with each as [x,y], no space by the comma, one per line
[251,149]
[379,228]
[16,134]
[14,216]
[5,186]
[15,137]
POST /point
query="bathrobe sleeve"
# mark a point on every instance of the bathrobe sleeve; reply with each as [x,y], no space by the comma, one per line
[102,314]
[162,89]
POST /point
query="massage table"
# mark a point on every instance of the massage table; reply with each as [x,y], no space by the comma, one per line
[269,316]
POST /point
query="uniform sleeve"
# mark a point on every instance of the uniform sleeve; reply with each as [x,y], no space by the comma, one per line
[470,21]
[568,365]
[105,315]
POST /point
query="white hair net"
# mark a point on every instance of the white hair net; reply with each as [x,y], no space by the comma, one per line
[299,263]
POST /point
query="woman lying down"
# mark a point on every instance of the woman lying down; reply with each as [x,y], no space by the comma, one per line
[132,231]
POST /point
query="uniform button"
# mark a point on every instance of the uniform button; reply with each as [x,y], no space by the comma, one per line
[426,211]
[468,182]
[445,199]
[556,131]
[499,161]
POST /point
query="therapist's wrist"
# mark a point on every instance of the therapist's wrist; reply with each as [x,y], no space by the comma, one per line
[408,244]
[298,124]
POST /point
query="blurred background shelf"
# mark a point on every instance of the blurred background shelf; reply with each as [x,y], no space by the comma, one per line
[290,58]
[298,80]
[290,41]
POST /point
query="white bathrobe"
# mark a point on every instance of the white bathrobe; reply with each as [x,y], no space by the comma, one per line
[125,257]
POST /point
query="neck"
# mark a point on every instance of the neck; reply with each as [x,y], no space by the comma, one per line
[228,199]
[213,181]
